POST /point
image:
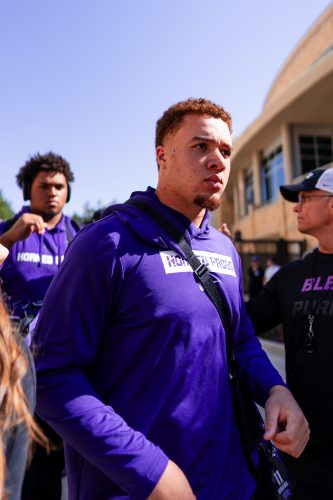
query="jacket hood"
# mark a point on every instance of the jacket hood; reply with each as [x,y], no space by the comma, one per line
[146,229]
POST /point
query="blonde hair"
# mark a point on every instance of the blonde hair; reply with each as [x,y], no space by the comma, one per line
[14,406]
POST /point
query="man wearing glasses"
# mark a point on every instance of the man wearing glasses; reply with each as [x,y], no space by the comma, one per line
[300,296]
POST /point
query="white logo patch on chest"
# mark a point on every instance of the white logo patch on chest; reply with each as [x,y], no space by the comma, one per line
[216,263]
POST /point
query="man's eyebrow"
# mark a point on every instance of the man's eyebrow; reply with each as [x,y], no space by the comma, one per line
[209,139]
[46,184]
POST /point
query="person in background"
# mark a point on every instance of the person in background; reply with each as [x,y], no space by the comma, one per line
[132,368]
[37,238]
[300,296]
[17,401]
[225,230]
[255,275]
[271,268]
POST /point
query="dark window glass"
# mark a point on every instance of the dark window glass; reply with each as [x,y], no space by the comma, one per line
[315,151]
[324,141]
[307,165]
[306,139]
[249,194]
[272,175]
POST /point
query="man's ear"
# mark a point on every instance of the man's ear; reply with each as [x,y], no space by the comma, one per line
[160,155]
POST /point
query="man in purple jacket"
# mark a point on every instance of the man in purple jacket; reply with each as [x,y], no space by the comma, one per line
[132,370]
[37,238]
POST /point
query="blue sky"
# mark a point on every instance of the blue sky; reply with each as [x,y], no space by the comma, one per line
[89,79]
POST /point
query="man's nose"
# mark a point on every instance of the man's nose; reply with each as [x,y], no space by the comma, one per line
[52,191]
[216,161]
[297,207]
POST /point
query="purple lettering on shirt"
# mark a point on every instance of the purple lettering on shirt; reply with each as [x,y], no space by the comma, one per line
[170,260]
[179,261]
[329,283]
[317,284]
[307,286]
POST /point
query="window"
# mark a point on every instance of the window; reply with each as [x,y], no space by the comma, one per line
[272,175]
[315,151]
[248,188]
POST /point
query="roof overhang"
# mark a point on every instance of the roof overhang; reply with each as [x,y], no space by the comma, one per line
[308,101]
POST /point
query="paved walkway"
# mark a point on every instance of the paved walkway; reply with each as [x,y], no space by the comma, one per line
[275,352]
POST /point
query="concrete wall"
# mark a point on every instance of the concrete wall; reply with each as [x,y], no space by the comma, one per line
[318,39]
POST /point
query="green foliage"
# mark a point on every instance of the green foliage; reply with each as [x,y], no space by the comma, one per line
[86,216]
[89,212]
[6,211]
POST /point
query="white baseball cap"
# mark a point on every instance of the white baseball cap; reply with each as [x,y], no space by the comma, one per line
[320,178]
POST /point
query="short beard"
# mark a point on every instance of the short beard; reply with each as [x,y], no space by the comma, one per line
[47,216]
[207,203]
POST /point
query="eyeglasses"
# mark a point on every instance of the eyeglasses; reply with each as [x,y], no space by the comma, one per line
[303,197]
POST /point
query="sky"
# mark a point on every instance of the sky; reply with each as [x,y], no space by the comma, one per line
[88,79]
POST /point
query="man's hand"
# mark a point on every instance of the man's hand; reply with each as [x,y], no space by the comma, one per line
[25,225]
[285,423]
[172,485]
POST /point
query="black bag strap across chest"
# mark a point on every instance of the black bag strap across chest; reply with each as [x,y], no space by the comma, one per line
[200,270]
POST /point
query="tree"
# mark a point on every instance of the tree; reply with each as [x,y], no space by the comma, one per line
[6,211]
[90,213]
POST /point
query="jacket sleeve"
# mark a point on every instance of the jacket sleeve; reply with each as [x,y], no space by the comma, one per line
[254,362]
[68,336]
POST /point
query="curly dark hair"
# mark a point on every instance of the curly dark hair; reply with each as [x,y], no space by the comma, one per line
[171,119]
[49,162]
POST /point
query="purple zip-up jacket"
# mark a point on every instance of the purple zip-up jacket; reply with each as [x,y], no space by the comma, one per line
[131,362]
[31,265]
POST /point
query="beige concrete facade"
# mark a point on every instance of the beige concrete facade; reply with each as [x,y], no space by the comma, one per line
[298,110]
[315,42]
